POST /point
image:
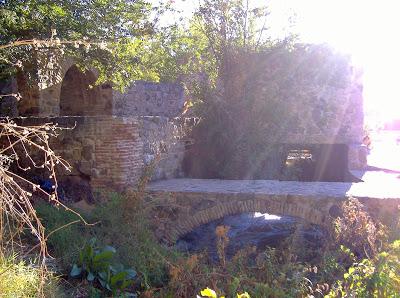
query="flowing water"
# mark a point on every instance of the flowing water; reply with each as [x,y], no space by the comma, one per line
[249,229]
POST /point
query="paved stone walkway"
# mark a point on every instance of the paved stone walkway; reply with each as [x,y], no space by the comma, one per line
[377,185]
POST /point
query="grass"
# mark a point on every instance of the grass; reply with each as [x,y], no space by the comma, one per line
[124,226]
[66,242]
[19,279]
[121,223]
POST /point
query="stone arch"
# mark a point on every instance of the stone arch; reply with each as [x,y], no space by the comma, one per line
[49,95]
[80,97]
[49,99]
[188,218]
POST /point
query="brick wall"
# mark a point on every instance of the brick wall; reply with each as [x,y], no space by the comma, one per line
[111,151]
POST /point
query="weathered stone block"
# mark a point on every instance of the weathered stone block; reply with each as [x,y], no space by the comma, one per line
[88,152]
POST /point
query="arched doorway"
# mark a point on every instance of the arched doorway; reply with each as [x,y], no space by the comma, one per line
[79,96]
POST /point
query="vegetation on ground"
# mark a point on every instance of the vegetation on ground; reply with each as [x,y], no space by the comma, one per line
[21,280]
[97,266]
[368,266]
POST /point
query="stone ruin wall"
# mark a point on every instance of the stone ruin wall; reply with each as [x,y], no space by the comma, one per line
[149,99]
[115,135]
[322,90]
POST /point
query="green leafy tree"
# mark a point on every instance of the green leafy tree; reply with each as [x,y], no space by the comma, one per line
[216,30]
[245,87]
[214,58]
[110,36]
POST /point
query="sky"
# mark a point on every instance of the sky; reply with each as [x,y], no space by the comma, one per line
[369,30]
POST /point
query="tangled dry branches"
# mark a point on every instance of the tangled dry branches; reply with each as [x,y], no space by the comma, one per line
[25,148]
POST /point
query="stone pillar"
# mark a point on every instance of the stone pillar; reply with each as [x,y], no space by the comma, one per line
[357,157]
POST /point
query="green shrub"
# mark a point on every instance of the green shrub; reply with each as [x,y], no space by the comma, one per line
[209,293]
[262,275]
[120,222]
[376,277]
[123,224]
[358,231]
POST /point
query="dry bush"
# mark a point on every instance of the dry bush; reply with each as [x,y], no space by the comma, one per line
[222,242]
[24,150]
[356,230]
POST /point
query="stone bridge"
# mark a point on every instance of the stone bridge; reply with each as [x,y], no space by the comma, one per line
[188,203]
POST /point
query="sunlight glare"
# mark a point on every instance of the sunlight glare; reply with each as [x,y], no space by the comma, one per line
[368,31]
[267,216]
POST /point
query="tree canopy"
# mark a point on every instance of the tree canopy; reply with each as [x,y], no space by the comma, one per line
[108,35]
[93,19]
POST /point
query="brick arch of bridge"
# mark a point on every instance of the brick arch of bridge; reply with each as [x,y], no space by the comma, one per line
[190,211]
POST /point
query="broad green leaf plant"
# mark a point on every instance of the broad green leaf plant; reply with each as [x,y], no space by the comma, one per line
[97,265]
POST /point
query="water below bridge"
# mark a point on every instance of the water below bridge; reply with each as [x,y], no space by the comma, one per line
[260,230]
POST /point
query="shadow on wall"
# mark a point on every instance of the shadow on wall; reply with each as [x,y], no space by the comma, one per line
[322,162]
[8,104]
[80,97]
[302,162]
